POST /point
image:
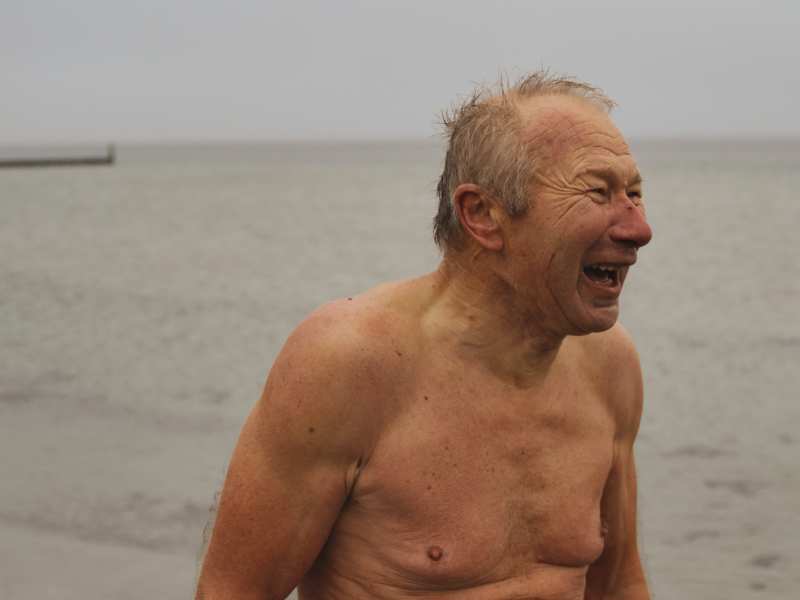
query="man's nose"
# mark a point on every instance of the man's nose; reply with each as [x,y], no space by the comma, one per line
[630,225]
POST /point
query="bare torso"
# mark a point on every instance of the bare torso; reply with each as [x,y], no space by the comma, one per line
[475,487]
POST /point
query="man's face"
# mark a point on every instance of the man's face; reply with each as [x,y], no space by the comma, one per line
[568,256]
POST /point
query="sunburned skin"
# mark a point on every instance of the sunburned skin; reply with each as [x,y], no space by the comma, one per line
[468,434]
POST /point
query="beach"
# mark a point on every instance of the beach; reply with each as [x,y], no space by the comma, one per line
[141,306]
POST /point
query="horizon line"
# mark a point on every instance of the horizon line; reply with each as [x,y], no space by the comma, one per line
[431,139]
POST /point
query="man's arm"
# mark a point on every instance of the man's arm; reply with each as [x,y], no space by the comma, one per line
[618,573]
[292,466]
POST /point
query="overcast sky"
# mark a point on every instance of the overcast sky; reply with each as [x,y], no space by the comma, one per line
[149,70]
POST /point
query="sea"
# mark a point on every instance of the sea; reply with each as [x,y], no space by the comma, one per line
[141,306]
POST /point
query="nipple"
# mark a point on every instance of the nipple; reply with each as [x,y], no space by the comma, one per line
[435,553]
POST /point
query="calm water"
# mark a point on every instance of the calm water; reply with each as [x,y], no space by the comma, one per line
[141,307]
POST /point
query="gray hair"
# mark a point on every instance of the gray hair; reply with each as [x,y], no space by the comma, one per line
[485,146]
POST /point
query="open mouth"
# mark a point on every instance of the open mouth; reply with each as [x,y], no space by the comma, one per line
[603,275]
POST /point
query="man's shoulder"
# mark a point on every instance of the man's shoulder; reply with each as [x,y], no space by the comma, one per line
[613,348]
[347,350]
[357,331]
[336,332]
[613,360]
[327,390]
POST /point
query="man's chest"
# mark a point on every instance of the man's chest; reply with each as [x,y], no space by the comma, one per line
[468,485]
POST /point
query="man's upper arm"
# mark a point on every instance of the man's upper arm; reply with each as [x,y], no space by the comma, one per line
[618,573]
[288,477]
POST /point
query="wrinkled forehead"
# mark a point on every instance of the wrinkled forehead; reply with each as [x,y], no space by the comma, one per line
[559,128]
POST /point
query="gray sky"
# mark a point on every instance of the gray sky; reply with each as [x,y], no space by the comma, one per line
[148,70]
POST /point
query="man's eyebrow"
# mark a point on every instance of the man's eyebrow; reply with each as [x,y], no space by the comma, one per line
[606,173]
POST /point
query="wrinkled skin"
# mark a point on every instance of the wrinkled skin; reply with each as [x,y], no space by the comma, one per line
[588,208]
[468,434]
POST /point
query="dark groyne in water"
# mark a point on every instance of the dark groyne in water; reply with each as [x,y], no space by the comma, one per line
[71,161]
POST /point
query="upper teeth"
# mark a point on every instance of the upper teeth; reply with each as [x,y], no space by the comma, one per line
[605,268]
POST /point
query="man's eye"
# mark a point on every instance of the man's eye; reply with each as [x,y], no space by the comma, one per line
[599,191]
[635,196]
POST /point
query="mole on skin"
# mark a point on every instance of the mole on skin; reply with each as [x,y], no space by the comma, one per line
[435,553]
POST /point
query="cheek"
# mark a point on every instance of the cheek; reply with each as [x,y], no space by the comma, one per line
[562,272]
[590,222]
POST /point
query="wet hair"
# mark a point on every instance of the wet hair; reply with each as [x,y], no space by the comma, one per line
[485,146]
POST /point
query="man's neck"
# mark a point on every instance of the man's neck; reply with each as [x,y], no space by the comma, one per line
[477,313]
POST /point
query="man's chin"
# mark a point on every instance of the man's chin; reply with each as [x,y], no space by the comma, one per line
[605,318]
[599,308]
[596,319]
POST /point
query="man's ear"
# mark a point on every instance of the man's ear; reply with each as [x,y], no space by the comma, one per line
[478,214]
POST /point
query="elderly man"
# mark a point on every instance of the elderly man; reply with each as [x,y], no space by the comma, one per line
[468,434]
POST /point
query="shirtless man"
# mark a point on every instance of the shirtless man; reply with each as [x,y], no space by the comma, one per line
[467,435]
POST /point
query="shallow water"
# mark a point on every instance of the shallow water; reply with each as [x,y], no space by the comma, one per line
[141,307]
